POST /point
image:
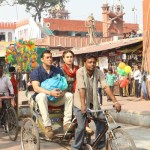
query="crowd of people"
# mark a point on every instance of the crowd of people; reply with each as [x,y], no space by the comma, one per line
[136,86]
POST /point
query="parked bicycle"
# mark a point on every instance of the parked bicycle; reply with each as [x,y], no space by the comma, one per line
[8,118]
[117,138]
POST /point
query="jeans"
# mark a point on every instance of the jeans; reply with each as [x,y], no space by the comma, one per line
[100,95]
[80,130]
[137,88]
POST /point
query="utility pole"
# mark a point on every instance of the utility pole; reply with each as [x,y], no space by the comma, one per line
[134,14]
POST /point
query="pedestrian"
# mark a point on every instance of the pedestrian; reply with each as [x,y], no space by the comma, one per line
[100,91]
[6,87]
[137,79]
[19,78]
[126,88]
[143,87]
[111,78]
[24,81]
[14,82]
[131,83]
[37,76]
[85,95]
[105,72]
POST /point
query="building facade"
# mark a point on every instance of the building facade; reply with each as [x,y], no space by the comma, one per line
[7,31]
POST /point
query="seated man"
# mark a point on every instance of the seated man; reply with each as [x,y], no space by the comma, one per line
[40,74]
[85,96]
[5,87]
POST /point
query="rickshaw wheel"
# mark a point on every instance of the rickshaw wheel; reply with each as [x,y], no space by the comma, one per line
[29,135]
[11,124]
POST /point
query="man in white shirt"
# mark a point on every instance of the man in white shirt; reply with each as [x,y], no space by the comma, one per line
[6,87]
[24,81]
[137,79]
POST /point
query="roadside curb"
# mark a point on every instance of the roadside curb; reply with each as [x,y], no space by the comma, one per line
[131,117]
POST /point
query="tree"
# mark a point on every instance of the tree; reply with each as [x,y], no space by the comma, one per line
[35,7]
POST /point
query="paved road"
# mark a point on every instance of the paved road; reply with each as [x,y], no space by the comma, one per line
[6,144]
[138,133]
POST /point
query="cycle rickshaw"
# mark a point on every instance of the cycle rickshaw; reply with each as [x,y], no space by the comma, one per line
[8,118]
[32,131]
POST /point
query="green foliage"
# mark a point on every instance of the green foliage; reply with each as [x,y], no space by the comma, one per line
[35,7]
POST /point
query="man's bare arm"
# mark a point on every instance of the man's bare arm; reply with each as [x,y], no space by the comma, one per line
[38,89]
[82,100]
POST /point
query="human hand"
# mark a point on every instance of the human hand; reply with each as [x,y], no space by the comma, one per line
[83,109]
[62,93]
[56,93]
[117,106]
[13,103]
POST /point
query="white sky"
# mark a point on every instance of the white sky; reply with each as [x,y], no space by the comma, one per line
[80,10]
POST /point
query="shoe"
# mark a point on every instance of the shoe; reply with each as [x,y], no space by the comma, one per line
[89,131]
[69,127]
[49,132]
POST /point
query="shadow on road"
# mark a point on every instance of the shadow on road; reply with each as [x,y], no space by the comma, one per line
[6,143]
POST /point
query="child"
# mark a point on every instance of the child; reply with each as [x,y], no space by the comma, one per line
[110,79]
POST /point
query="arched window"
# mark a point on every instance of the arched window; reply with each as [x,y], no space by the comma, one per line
[9,36]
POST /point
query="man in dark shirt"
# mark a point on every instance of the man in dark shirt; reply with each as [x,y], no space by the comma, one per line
[46,71]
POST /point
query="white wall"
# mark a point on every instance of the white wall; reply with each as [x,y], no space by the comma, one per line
[6,34]
[27,32]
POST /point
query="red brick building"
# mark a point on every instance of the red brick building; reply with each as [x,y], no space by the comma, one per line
[73,33]
[65,27]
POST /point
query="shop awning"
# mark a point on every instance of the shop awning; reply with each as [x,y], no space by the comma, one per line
[131,50]
[103,46]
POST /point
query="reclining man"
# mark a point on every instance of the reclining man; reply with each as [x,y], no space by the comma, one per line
[40,74]
[85,96]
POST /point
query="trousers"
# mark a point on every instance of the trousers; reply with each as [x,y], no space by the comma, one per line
[80,131]
[43,103]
